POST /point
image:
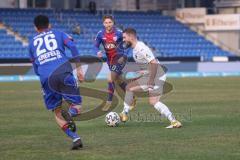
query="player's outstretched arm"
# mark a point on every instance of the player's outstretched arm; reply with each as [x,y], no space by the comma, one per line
[80,74]
[71,45]
[76,56]
[152,62]
[153,71]
[97,43]
[35,67]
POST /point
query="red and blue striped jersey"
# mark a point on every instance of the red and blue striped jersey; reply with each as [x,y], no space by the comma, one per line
[112,43]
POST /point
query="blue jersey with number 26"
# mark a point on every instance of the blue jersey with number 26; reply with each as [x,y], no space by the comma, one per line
[47,52]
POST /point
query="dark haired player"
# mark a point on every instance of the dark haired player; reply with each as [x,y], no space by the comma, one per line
[111,39]
[151,81]
[50,63]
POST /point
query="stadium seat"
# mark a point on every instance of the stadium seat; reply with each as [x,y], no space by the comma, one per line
[169,37]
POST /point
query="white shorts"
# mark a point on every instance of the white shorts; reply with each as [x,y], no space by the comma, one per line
[159,82]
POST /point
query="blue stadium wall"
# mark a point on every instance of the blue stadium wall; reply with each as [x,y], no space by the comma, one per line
[175,70]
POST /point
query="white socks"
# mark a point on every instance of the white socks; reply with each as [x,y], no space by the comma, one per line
[126,108]
[127,101]
[163,109]
[159,106]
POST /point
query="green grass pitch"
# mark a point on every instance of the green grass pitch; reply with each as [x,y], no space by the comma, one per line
[208,107]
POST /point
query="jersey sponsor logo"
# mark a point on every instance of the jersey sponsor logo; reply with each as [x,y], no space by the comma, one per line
[49,56]
[110,46]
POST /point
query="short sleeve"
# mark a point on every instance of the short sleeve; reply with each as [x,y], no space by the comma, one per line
[30,53]
[147,53]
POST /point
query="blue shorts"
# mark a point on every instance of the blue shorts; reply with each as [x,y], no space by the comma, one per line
[59,87]
[117,66]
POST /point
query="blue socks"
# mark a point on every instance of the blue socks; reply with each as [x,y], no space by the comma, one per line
[69,133]
[111,87]
[73,111]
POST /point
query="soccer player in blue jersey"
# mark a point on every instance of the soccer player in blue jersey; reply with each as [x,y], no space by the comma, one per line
[111,39]
[50,63]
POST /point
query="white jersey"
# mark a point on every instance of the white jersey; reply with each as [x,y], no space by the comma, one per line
[142,53]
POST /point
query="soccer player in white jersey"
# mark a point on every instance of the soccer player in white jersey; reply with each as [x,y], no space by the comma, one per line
[151,80]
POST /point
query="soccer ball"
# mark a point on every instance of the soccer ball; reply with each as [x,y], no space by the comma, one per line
[112,119]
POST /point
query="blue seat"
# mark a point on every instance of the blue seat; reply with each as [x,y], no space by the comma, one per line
[168,36]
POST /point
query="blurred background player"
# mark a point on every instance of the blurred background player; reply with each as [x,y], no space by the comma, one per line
[111,39]
[47,53]
[151,80]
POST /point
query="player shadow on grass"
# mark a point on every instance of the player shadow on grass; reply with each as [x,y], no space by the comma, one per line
[97,111]
[94,67]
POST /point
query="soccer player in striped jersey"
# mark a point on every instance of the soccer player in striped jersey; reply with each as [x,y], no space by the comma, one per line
[111,39]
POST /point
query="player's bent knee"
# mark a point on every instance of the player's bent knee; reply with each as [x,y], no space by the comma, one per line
[152,102]
[78,107]
[75,110]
